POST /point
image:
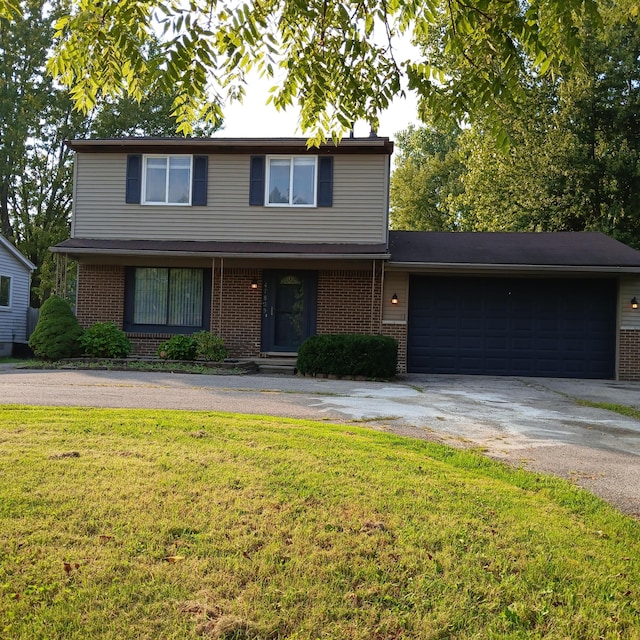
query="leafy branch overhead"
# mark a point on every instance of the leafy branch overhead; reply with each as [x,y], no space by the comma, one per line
[337,61]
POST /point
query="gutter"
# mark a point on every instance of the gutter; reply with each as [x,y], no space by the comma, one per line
[456,267]
[226,254]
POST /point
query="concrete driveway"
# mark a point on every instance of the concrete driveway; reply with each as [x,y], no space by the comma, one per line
[531,422]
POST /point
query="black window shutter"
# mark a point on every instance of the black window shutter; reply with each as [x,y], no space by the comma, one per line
[200,175]
[325,181]
[256,181]
[134,179]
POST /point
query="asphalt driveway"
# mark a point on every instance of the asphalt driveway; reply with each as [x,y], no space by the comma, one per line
[531,422]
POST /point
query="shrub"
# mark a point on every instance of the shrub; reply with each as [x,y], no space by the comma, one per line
[178,347]
[57,332]
[349,355]
[209,347]
[105,340]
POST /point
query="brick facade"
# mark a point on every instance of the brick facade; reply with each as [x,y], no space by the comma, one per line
[348,302]
[100,294]
[399,332]
[629,355]
[236,310]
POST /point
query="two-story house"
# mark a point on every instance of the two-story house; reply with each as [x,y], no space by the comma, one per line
[265,242]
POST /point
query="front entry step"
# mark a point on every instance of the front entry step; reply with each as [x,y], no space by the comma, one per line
[281,365]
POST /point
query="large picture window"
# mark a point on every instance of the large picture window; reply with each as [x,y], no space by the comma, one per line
[291,181]
[164,299]
[166,180]
[5,291]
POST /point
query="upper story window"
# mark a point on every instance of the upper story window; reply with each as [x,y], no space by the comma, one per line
[291,181]
[178,180]
[166,180]
[5,291]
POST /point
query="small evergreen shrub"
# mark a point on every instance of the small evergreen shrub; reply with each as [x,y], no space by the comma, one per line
[349,355]
[57,332]
[178,347]
[209,347]
[105,340]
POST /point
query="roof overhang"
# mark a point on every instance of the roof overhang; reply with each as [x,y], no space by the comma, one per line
[77,247]
[520,269]
[16,254]
[212,146]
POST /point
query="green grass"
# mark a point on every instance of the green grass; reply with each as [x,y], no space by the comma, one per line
[166,524]
[622,409]
[132,365]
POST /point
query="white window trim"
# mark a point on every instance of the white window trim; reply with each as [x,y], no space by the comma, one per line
[289,204]
[143,194]
[8,306]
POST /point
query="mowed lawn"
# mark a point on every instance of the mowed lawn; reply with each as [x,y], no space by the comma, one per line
[167,524]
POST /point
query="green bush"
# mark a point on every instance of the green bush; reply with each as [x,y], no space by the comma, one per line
[57,332]
[105,340]
[178,347]
[209,347]
[349,355]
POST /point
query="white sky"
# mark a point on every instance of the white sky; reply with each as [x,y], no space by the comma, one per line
[253,118]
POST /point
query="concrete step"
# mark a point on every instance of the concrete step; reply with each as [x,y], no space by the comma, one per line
[282,365]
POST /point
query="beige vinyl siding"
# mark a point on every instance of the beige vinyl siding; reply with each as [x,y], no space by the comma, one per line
[398,283]
[358,214]
[629,318]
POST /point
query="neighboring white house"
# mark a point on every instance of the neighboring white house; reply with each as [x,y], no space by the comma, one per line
[15,281]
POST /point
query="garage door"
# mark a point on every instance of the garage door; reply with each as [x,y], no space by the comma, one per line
[512,326]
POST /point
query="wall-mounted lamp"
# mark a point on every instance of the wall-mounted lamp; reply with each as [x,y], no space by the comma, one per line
[394,298]
[634,303]
[254,283]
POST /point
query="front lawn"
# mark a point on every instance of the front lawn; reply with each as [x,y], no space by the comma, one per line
[166,524]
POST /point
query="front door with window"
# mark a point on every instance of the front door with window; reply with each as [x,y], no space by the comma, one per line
[288,309]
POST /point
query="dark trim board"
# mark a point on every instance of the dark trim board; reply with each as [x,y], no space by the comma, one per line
[512,326]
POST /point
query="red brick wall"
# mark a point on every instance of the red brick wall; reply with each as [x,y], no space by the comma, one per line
[399,332]
[347,303]
[629,355]
[100,294]
[236,312]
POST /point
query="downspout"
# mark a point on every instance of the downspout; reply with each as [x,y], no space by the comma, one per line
[382,275]
[220,297]
[373,297]
[212,304]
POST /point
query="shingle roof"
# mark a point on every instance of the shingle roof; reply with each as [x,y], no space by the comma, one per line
[562,249]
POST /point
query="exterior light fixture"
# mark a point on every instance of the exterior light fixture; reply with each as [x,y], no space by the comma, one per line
[254,283]
[394,298]
[634,303]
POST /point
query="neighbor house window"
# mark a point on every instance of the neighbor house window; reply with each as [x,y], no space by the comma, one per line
[5,291]
[291,181]
[166,180]
[164,299]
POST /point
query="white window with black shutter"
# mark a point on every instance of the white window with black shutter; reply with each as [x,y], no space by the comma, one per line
[291,181]
[178,180]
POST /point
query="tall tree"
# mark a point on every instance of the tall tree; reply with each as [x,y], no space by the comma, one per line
[337,61]
[36,116]
[573,163]
[426,179]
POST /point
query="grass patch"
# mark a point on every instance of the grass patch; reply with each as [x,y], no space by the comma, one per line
[107,364]
[622,409]
[166,524]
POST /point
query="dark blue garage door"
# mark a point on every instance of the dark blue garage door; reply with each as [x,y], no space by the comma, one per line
[512,326]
